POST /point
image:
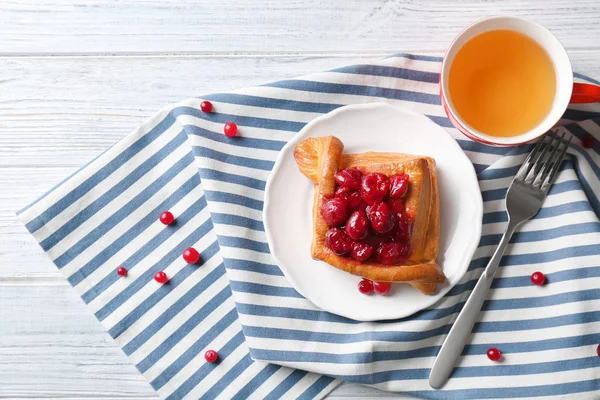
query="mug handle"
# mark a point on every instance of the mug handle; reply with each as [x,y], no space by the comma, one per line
[585,93]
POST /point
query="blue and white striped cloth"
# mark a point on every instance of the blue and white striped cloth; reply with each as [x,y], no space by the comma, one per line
[239,303]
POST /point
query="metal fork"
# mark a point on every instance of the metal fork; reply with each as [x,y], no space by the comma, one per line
[524,198]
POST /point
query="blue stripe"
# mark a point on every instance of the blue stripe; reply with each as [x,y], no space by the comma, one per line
[286,385]
[417,57]
[545,234]
[256,382]
[361,90]
[236,220]
[104,172]
[131,262]
[317,387]
[546,212]
[231,159]
[579,132]
[269,102]
[241,243]
[223,197]
[557,188]
[148,275]
[201,373]
[114,192]
[232,178]
[173,311]
[240,141]
[589,192]
[248,265]
[266,290]
[390,72]
[288,312]
[227,378]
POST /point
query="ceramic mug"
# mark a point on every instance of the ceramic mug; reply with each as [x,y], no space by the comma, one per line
[567,91]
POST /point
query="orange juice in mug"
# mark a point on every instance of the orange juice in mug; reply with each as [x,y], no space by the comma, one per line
[507,81]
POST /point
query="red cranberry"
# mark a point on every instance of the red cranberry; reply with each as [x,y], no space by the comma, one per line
[391,253]
[382,287]
[335,211]
[361,251]
[537,278]
[405,226]
[382,218]
[206,106]
[230,129]
[352,197]
[494,354]
[373,187]
[167,218]
[338,241]
[191,255]
[211,356]
[349,177]
[397,206]
[398,186]
[598,350]
[365,286]
[161,277]
[121,271]
[357,226]
[588,142]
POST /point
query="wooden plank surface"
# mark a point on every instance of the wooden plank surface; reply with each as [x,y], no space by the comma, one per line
[78,75]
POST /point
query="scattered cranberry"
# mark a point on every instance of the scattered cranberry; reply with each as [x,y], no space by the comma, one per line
[338,241]
[373,187]
[167,218]
[361,251]
[537,278]
[206,106]
[335,211]
[230,129]
[352,197]
[121,271]
[357,226]
[598,350]
[588,142]
[382,218]
[211,356]
[398,186]
[349,177]
[191,255]
[382,287]
[161,277]
[494,354]
[405,225]
[365,286]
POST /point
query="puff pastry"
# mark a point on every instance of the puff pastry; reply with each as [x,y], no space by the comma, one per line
[320,158]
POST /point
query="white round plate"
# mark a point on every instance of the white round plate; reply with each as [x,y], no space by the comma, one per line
[371,127]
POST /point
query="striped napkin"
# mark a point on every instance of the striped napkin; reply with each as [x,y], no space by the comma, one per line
[238,303]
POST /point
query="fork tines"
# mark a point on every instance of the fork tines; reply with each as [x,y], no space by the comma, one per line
[541,166]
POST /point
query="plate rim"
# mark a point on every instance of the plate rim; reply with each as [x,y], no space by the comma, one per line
[301,135]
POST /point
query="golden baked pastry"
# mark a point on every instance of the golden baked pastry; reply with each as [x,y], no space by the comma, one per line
[395,254]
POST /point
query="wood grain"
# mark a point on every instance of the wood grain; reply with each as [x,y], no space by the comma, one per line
[77,75]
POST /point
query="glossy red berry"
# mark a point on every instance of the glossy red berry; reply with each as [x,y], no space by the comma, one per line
[537,278]
[588,142]
[206,106]
[338,241]
[230,129]
[211,356]
[357,225]
[361,251]
[404,231]
[373,187]
[365,286]
[352,197]
[398,186]
[382,217]
[494,354]
[349,177]
[382,287]
[397,206]
[191,255]
[390,253]
[598,350]
[161,277]
[121,271]
[335,211]
[167,218]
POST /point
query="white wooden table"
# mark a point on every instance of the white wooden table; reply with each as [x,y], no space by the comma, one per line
[77,75]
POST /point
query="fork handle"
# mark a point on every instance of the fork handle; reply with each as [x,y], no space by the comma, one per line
[459,333]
